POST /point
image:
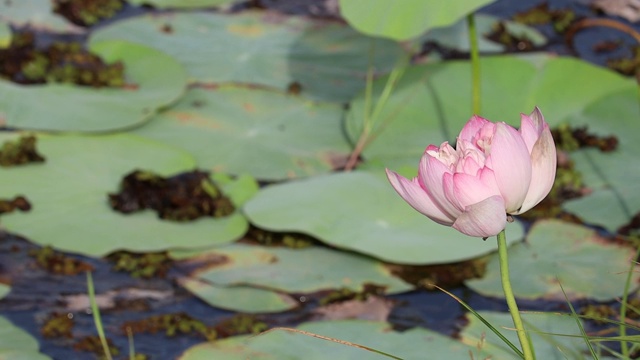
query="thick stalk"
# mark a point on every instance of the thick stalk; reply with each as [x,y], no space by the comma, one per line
[511,300]
[475,65]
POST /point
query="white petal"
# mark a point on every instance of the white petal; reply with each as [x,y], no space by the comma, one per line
[511,164]
[412,193]
[543,171]
[484,219]
[431,174]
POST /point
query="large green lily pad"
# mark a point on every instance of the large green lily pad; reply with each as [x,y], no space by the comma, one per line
[298,270]
[16,344]
[360,211]
[287,345]
[414,17]
[37,14]
[432,102]
[613,176]
[154,80]
[557,252]
[70,205]
[329,60]
[264,133]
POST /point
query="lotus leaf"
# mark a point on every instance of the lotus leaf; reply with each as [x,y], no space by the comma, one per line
[414,17]
[557,252]
[324,60]
[69,197]
[298,270]
[360,211]
[290,345]
[269,135]
[540,328]
[16,344]
[155,80]
[429,104]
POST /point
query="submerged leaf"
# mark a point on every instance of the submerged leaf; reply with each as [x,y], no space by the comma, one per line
[304,270]
[17,344]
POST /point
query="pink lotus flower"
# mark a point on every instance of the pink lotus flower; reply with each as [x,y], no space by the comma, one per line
[494,171]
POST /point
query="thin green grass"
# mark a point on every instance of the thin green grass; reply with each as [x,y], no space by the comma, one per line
[96,316]
[484,321]
[579,323]
[624,348]
[132,349]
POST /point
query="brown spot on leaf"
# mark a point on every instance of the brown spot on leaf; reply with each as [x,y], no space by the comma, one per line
[188,118]
[335,159]
[246,30]
[248,107]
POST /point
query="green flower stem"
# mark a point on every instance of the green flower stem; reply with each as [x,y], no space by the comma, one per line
[475,65]
[511,300]
[624,346]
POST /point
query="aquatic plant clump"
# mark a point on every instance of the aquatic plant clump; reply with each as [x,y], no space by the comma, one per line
[92,344]
[141,265]
[20,151]
[87,12]
[276,239]
[184,197]
[58,325]
[24,63]
[58,263]
[17,203]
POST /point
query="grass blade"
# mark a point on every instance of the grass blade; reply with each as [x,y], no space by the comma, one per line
[96,316]
[578,322]
[484,321]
